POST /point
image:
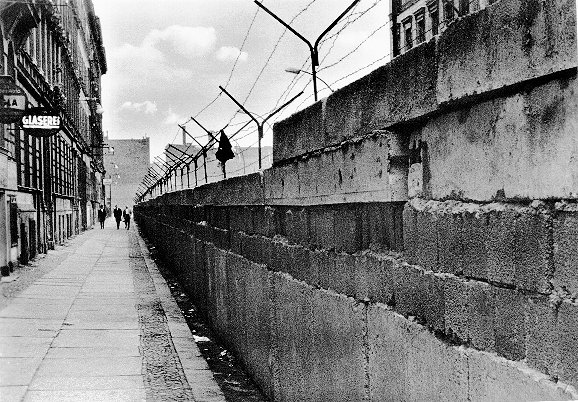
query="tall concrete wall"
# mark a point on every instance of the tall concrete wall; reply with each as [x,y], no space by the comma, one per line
[416,238]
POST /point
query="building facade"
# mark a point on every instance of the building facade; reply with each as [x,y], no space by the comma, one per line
[50,185]
[125,168]
[416,21]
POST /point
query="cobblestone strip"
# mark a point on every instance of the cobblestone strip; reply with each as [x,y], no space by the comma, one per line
[162,370]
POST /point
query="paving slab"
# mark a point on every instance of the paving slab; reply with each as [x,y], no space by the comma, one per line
[99,325]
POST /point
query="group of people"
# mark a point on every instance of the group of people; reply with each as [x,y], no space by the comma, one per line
[118,214]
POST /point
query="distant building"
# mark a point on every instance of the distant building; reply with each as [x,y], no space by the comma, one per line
[416,21]
[125,168]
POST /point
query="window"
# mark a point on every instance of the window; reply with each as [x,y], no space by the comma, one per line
[420,26]
[435,21]
[9,138]
[464,7]
[13,210]
[407,31]
[396,39]
[448,10]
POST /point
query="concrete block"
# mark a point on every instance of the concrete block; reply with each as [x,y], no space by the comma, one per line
[323,228]
[567,329]
[469,313]
[509,323]
[279,257]
[407,363]
[492,378]
[252,249]
[292,337]
[299,264]
[259,310]
[450,243]
[344,111]
[427,242]
[518,246]
[475,255]
[542,342]
[566,248]
[237,242]
[387,354]
[419,294]
[378,276]
[396,95]
[342,277]
[347,224]
[297,226]
[489,150]
[323,266]
[269,219]
[499,46]
[337,362]
[300,133]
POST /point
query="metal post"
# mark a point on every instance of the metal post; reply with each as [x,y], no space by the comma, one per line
[259,124]
[196,167]
[205,163]
[314,49]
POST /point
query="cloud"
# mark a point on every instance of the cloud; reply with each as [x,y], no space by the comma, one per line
[146,107]
[189,42]
[173,118]
[226,53]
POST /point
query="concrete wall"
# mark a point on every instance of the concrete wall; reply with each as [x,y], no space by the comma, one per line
[416,238]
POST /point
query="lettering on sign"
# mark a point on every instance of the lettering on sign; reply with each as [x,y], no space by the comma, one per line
[41,122]
[12,100]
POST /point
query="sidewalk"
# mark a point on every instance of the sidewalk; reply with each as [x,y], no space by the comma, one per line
[101,325]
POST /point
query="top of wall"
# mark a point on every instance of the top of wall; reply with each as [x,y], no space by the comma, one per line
[483,54]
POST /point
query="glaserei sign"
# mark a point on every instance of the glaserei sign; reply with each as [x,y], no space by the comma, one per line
[41,122]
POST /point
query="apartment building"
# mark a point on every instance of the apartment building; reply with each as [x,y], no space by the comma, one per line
[51,145]
[416,21]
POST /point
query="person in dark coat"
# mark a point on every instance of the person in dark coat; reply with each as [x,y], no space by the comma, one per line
[126,215]
[101,216]
[117,212]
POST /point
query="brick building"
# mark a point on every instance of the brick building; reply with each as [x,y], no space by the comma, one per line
[125,168]
[50,186]
[416,21]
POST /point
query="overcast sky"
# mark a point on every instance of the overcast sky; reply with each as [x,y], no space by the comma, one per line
[166,59]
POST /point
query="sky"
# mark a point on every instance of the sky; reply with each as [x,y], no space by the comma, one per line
[167,58]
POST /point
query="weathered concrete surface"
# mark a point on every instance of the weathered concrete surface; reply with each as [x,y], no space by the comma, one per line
[496,49]
[522,146]
[407,363]
[354,171]
[566,248]
[505,44]
[322,276]
[502,243]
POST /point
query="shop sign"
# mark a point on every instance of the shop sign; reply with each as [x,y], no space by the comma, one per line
[12,100]
[41,122]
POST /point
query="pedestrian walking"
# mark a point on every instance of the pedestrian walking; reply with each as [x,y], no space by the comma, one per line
[117,212]
[126,214]
[101,216]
